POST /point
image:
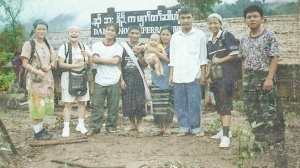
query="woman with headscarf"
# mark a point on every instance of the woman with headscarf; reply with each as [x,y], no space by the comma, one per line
[40,91]
[222,50]
[81,55]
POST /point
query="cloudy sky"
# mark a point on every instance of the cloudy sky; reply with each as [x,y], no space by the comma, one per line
[47,9]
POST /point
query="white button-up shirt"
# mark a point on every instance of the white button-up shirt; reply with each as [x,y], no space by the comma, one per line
[187,53]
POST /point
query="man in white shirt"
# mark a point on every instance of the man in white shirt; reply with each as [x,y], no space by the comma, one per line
[187,71]
[107,55]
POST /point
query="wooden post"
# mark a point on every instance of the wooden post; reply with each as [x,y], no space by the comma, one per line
[161,7]
[111,12]
[7,137]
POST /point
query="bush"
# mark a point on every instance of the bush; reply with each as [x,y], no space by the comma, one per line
[6,79]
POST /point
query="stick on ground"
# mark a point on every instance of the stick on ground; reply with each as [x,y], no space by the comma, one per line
[84,166]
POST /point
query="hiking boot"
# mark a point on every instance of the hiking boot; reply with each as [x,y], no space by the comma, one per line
[81,128]
[41,136]
[225,142]
[66,132]
[220,134]
[46,132]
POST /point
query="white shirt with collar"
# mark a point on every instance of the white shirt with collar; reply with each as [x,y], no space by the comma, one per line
[187,53]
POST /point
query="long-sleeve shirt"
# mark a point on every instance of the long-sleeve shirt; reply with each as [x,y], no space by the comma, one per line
[188,53]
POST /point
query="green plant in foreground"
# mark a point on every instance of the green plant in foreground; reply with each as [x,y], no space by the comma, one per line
[238,105]
[246,142]
[6,79]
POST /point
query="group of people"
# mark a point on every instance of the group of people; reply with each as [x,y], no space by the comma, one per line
[182,63]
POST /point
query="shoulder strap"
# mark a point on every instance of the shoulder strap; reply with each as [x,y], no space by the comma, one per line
[32,44]
[81,46]
[69,52]
[132,56]
[66,52]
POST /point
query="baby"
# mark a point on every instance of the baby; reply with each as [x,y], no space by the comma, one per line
[151,58]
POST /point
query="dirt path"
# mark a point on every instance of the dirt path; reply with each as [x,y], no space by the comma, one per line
[136,150]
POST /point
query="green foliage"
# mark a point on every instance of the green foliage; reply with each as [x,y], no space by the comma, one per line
[215,126]
[238,106]
[201,8]
[12,35]
[246,144]
[6,79]
[5,57]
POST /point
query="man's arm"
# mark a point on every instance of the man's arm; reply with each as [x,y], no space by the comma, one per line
[107,61]
[268,84]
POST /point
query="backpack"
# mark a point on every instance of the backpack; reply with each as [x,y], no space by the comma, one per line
[237,62]
[22,72]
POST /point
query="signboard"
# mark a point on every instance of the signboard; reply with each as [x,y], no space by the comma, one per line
[150,21]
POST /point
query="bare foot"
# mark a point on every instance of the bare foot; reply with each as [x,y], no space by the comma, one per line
[130,128]
[140,129]
[157,72]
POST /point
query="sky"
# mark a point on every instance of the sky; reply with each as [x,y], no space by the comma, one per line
[47,9]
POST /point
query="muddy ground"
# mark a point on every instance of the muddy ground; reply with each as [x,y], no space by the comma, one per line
[139,150]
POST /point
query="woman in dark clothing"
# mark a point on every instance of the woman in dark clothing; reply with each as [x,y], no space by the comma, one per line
[162,93]
[222,51]
[133,91]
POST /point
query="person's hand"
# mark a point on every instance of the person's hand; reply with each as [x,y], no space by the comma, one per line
[80,63]
[216,60]
[171,83]
[202,80]
[208,82]
[137,49]
[95,59]
[46,68]
[84,53]
[268,84]
[40,73]
[122,84]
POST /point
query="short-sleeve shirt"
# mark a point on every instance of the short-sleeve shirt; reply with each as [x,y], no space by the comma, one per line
[107,75]
[45,58]
[76,56]
[257,51]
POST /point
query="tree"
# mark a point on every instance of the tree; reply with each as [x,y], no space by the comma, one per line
[201,8]
[13,30]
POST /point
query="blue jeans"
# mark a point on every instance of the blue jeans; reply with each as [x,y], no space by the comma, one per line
[187,104]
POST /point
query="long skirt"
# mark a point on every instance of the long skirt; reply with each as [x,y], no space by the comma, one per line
[133,97]
[163,105]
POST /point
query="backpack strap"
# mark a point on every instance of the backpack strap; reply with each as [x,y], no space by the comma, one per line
[32,44]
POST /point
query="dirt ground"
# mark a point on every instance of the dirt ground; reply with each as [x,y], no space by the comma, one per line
[138,150]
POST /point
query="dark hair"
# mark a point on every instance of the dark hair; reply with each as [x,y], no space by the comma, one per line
[169,28]
[135,27]
[115,25]
[185,10]
[253,8]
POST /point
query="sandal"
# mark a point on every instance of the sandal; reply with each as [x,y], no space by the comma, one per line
[200,134]
[91,133]
[181,134]
[158,133]
[167,134]
[111,130]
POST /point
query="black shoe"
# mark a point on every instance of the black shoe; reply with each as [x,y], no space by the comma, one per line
[41,136]
[46,132]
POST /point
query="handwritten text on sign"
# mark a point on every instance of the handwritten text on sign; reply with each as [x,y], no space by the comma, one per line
[151,21]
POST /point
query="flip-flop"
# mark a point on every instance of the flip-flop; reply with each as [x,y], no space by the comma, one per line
[167,134]
[200,134]
[181,134]
[158,133]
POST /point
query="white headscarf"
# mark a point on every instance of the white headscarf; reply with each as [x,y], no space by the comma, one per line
[215,15]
